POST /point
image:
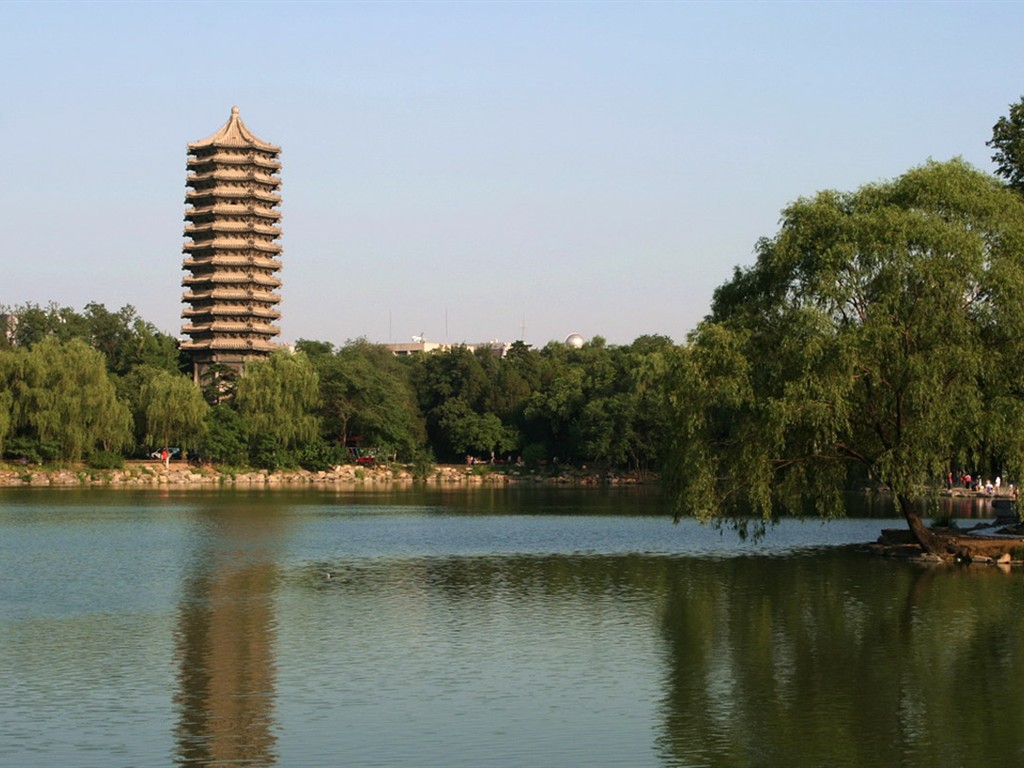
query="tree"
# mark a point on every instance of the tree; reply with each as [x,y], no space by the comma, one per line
[552,409]
[226,436]
[62,395]
[604,430]
[1008,142]
[442,376]
[647,360]
[125,339]
[35,323]
[365,391]
[277,397]
[467,431]
[174,410]
[6,415]
[314,349]
[879,335]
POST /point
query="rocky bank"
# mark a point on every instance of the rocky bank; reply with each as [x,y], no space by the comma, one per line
[154,474]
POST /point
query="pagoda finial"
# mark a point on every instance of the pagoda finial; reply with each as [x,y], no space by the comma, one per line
[234,111]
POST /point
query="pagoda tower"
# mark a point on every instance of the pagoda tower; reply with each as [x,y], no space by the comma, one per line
[232,255]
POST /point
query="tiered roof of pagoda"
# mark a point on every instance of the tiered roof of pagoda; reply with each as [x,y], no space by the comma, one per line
[232,251]
[233,135]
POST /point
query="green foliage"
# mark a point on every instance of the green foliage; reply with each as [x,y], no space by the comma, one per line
[123,338]
[597,404]
[466,431]
[174,410]
[6,416]
[557,406]
[62,395]
[314,349]
[605,428]
[456,373]
[879,335]
[319,456]
[105,460]
[1008,142]
[422,463]
[32,450]
[129,390]
[278,397]
[365,392]
[226,438]
[441,378]
[35,323]
[267,453]
[534,454]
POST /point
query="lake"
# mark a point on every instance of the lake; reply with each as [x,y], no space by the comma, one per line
[489,627]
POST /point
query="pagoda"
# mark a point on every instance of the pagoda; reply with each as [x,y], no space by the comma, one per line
[233,254]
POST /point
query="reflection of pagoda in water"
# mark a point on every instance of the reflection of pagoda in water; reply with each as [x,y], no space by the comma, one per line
[233,253]
[225,649]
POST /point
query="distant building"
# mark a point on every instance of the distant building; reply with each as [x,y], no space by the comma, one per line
[415,348]
[232,255]
[497,348]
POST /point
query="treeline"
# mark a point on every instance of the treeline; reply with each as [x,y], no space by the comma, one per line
[99,385]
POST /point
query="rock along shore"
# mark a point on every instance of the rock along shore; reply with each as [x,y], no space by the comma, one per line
[155,475]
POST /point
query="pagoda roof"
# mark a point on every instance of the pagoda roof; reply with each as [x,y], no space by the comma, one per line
[232,227]
[232,294]
[261,328]
[233,175]
[232,310]
[235,244]
[240,279]
[230,344]
[231,260]
[225,159]
[226,208]
[231,192]
[233,134]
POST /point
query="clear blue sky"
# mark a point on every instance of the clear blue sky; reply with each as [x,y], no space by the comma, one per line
[457,169]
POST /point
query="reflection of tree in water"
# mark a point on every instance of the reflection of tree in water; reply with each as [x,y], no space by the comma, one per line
[225,644]
[841,660]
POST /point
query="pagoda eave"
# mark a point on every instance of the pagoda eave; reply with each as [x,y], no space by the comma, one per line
[231,245]
[230,345]
[232,294]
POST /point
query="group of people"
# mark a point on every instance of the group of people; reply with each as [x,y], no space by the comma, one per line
[977,484]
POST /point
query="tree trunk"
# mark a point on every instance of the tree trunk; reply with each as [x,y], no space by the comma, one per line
[929,542]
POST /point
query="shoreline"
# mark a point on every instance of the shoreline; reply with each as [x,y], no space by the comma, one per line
[153,474]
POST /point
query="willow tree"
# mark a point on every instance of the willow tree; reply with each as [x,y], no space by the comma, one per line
[278,398]
[6,415]
[62,395]
[12,382]
[880,334]
[174,409]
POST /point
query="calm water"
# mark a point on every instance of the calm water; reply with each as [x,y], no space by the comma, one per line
[492,628]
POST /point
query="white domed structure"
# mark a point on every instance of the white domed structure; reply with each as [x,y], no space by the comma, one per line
[574,341]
